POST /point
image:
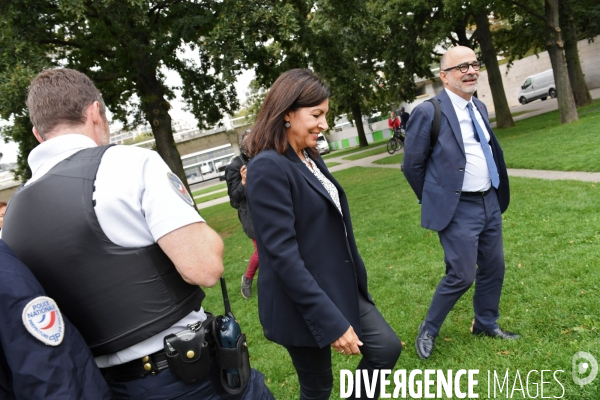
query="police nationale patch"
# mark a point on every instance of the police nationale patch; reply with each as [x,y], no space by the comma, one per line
[43,320]
[180,188]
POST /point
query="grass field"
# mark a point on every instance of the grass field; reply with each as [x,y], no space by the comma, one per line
[332,164]
[541,142]
[210,189]
[352,150]
[551,292]
[493,119]
[368,153]
[209,197]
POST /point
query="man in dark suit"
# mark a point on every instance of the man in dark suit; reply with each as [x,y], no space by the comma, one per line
[462,184]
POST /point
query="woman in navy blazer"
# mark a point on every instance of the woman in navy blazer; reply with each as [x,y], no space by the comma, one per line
[312,288]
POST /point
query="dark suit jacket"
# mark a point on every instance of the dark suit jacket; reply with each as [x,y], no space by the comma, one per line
[237,193]
[310,271]
[437,179]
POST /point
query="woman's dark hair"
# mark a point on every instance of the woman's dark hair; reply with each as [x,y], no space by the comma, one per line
[294,89]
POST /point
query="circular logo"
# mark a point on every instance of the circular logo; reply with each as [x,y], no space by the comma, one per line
[43,320]
[180,188]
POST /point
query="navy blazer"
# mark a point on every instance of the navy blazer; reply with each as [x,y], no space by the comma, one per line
[310,270]
[437,179]
[29,368]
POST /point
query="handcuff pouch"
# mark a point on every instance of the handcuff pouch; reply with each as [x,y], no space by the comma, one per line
[188,354]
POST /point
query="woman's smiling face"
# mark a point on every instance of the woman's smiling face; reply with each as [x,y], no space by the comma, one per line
[305,125]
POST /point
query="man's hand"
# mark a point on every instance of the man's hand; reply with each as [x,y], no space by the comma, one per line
[243,171]
[348,343]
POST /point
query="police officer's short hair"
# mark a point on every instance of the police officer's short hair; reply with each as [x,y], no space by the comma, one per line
[61,96]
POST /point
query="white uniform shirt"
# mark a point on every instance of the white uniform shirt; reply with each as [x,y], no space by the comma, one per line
[136,205]
[477,175]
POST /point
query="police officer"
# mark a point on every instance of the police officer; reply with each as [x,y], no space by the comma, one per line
[42,356]
[113,235]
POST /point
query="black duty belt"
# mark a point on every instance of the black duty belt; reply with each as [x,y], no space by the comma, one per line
[478,194]
[148,365]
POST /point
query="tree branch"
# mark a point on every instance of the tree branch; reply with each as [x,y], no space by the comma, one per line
[527,8]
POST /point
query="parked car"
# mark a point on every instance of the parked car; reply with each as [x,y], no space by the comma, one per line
[322,144]
[538,86]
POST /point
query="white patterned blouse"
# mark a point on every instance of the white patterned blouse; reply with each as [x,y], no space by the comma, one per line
[330,187]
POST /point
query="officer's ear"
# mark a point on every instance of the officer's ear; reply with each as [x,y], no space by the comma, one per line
[37,135]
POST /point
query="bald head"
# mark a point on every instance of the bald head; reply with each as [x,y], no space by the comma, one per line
[449,58]
[464,84]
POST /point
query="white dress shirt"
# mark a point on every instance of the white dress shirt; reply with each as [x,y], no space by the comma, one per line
[477,175]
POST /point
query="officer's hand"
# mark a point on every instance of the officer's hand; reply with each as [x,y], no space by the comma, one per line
[348,343]
[243,173]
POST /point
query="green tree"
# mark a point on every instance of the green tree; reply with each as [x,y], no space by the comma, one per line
[126,47]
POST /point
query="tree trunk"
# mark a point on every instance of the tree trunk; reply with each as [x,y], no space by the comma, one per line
[357,115]
[488,53]
[554,45]
[156,108]
[581,92]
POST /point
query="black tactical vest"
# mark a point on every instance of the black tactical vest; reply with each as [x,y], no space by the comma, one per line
[115,296]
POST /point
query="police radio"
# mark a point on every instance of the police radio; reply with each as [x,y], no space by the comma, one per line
[228,334]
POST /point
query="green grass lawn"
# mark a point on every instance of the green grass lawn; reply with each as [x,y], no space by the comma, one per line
[377,150]
[513,114]
[541,142]
[551,292]
[210,189]
[351,150]
[395,159]
[209,197]
[331,164]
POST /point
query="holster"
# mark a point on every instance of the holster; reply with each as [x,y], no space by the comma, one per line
[188,352]
[234,362]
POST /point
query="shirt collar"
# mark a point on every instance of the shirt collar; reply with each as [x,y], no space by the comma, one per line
[457,100]
[56,146]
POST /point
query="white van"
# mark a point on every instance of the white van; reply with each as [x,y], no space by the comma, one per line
[538,86]
[322,144]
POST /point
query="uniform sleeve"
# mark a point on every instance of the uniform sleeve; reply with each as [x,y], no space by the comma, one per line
[166,205]
[40,371]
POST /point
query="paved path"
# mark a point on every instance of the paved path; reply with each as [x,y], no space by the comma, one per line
[534,108]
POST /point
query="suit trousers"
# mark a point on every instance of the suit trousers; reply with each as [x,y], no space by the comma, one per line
[380,350]
[473,252]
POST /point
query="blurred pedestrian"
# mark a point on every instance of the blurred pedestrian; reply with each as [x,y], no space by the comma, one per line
[235,174]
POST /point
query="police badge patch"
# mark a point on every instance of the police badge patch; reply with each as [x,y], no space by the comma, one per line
[43,320]
[180,188]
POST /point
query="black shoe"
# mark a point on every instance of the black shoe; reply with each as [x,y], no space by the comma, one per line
[424,343]
[497,333]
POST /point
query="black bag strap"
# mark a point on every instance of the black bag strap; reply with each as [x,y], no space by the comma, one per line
[435,126]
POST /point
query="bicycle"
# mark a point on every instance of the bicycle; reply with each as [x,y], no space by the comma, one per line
[396,142]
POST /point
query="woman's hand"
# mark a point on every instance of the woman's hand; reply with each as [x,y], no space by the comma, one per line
[243,171]
[348,343]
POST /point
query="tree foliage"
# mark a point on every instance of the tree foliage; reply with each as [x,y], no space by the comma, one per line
[126,47]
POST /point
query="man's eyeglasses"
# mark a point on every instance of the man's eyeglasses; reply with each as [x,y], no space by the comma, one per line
[464,67]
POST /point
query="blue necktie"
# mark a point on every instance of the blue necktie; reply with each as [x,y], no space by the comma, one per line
[489,158]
